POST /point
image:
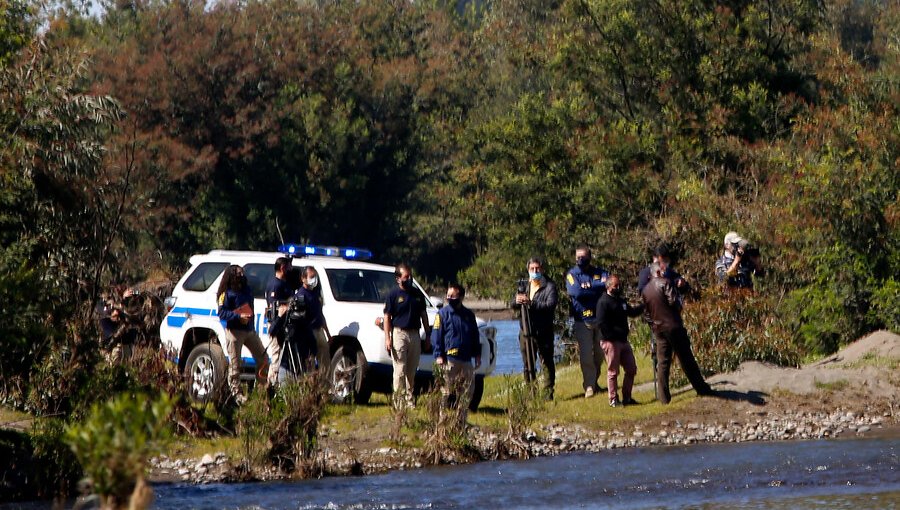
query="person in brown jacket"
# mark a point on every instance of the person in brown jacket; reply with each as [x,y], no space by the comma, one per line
[663,305]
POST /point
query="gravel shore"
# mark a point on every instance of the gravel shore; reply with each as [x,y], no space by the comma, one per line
[554,439]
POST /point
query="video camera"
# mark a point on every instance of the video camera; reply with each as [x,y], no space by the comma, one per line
[522,286]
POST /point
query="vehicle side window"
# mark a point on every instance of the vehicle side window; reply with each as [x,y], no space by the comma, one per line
[360,285]
[204,276]
[258,276]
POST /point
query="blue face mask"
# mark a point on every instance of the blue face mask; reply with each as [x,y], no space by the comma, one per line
[535,275]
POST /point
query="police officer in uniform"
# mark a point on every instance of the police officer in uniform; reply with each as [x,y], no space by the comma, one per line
[404,314]
[278,291]
[456,343]
[585,284]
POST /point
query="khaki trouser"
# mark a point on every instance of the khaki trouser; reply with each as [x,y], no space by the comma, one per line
[459,381]
[590,354]
[236,339]
[323,351]
[274,351]
[407,349]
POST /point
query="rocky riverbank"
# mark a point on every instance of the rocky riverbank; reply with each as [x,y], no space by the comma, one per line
[854,393]
[556,439]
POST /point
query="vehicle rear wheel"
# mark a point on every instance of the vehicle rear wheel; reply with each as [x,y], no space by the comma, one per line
[348,376]
[204,372]
[477,393]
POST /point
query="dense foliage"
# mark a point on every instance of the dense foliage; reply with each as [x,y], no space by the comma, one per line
[461,136]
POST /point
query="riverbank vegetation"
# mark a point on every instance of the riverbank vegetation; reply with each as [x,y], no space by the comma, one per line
[462,137]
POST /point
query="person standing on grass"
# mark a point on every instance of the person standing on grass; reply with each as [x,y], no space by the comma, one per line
[278,292]
[612,318]
[538,307]
[313,294]
[404,314]
[235,301]
[585,284]
[456,343]
[664,309]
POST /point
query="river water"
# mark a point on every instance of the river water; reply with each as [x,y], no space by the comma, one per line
[826,474]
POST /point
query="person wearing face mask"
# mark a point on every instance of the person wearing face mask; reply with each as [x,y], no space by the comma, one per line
[235,300]
[313,298]
[538,306]
[404,314]
[456,343]
[585,284]
[612,318]
[278,292]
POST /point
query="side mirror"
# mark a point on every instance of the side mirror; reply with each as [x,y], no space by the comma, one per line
[436,301]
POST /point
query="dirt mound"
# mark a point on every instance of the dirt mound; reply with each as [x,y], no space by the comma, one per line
[869,365]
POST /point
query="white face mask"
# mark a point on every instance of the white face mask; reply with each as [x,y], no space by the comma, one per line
[312,282]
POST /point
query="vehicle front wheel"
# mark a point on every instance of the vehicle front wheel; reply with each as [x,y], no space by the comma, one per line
[204,372]
[348,376]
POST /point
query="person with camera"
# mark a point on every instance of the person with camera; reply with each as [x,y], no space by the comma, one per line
[613,312]
[235,300]
[536,300]
[456,342]
[298,341]
[313,294]
[663,304]
[277,294]
[739,263]
[404,314]
[117,333]
[585,284]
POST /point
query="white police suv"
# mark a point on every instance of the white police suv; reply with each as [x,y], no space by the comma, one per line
[353,295]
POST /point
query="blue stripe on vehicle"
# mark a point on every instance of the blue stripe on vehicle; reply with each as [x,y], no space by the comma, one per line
[206,312]
[175,322]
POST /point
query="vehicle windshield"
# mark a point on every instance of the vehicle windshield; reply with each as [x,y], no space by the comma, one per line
[362,285]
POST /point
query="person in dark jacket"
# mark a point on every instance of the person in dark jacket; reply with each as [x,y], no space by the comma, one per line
[298,346]
[663,305]
[663,256]
[613,312]
[585,284]
[456,342]
[278,292]
[538,304]
[235,301]
[317,323]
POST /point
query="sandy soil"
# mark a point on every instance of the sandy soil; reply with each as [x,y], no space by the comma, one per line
[861,378]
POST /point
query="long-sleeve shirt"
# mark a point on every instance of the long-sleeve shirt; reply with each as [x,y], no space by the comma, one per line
[455,334]
[612,316]
[584,299]
[230,301]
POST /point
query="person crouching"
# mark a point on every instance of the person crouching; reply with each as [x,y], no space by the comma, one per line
[612,317]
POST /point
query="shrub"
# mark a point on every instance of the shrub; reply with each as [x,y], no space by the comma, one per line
[524,401]
[115,441]
[298,408]
[283,429]
[728,330]
[886,305]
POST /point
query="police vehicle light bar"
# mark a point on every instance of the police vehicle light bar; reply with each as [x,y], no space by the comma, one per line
[302,250]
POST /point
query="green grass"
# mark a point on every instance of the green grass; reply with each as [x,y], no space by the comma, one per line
[838,385]
[870,359]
